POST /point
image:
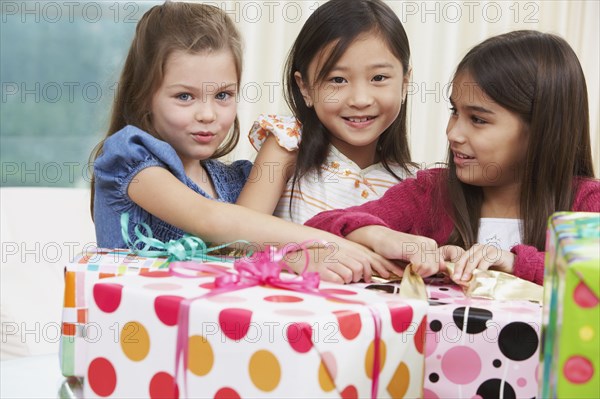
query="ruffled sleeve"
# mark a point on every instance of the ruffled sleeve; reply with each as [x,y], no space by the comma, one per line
[124,155]
[286,129]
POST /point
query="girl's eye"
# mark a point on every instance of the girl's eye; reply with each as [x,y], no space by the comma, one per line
[453,111]
[184,96]
[379,78]
[223,95]
[478,121]
[338,80]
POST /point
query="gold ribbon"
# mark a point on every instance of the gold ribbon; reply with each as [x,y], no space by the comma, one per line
[488,284]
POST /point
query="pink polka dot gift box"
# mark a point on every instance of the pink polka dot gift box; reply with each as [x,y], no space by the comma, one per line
[571,349]
[166,334]
[477,348]
[80,275]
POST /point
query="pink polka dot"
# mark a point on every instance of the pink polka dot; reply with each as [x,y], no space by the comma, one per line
[578,369]
[401,317]
[350,392]
[420,335]
[102,377]
[162,386]
[208,286]
[431,341]
[299,336]
[521,382]
[156,274]
[226,299]
[166,308]
[469,361]
[294,312]
[235,322]
[227,393]
[427,394]
[283,298]
[108,296]
[337,291]
[162,286]
[350,323]
[584,297]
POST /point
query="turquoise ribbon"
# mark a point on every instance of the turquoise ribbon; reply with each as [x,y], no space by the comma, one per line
[188,247]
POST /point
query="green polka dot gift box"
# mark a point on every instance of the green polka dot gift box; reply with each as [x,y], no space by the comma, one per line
[571,344]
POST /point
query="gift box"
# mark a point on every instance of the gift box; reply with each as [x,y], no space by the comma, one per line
[480,348]
[259,341]
[80,275]
[477,348]
[571,350]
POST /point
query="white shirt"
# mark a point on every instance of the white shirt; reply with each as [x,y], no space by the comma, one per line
[502,233]
[342,184]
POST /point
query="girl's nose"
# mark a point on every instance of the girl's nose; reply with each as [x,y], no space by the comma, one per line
[205,112]
[454,130]
[360,96]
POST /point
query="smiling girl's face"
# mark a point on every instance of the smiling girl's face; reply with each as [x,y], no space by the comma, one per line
[488,142]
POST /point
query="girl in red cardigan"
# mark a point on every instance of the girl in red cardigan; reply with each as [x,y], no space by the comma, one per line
[519,150]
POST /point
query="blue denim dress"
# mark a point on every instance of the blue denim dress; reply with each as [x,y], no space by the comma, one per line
[124,155]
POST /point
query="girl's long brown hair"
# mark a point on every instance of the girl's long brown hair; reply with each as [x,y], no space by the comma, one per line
[538,77]
[172,26]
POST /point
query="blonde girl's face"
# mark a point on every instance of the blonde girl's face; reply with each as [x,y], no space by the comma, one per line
[360,97]
[195,106]
[488,142]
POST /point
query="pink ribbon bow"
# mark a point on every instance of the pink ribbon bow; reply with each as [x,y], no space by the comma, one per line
[262,268]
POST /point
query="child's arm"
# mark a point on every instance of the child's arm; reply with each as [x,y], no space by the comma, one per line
[160,193]
[273,166]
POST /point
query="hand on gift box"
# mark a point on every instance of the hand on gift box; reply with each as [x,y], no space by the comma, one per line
[479,256]
[342,262]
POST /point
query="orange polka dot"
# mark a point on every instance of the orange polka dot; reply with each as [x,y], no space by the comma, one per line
[325,380]
[135,341]
[369,358]
[201,357]
[400,381]
[265,371]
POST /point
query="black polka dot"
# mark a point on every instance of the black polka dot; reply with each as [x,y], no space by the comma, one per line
[443,289]
[436,303]
[490,389]
[518,341]
[434,377]
[497,363]
[477,319]
[435,325]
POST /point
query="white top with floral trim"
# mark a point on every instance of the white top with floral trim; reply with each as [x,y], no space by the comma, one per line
[341,184]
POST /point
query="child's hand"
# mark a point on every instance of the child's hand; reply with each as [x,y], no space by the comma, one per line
[422,252]
[342,262]
[483,257]
[450,253]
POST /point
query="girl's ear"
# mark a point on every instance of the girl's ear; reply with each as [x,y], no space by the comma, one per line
[405,82]
[303,89]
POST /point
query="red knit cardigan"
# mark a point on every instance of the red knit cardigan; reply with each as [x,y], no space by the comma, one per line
[412,207]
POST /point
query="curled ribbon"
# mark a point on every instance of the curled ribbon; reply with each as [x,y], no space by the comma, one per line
[188,247]
[263,268]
